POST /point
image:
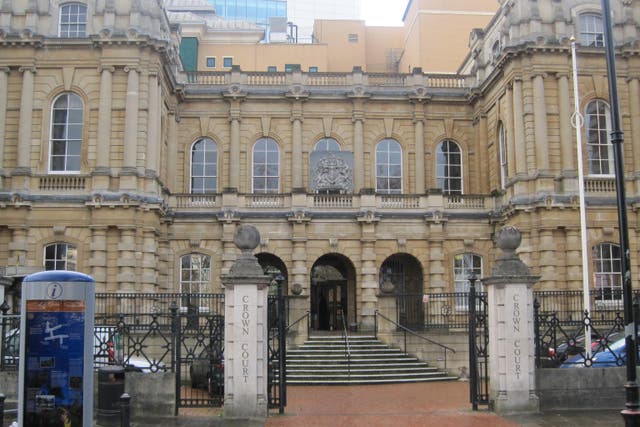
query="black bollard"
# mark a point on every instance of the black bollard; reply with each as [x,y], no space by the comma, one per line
[2,397]
[125,410]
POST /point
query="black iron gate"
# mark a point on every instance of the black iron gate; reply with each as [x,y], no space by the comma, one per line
[277,350]
[478,347]
[199,359]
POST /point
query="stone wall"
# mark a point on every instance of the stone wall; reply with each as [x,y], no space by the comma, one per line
[581,388]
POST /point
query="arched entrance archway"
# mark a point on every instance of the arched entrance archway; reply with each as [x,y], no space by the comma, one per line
[333,293]
[404,272]
[272,265]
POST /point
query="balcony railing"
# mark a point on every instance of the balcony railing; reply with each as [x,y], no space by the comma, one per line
[197,200]
[334,201]
[398,201]
[62,183]
[460,201]
[599,185]
[312,201]
[373,80]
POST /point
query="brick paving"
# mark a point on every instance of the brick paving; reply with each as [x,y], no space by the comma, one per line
[441,404]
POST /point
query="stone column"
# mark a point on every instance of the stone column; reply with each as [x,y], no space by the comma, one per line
[520,142]
[540,118]
[634,114]
[369,272]
[480,185]
[153,135]
[573,258]
[128,178]
[234,150]
[511,144]
[172,150]
[25,124]
[18,249]
[102,170]
[567,143]
[149,260]
[512,385]
[418,129]
[4,78]
[296,147]
[299,279]
[98,257]
[358,147]
[229,222]
[127,259]
[246,335]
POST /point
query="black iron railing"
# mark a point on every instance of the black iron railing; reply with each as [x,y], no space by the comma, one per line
[407,331]
[566,338]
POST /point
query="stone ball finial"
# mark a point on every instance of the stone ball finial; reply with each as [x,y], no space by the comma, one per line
[246,238]
[508,239]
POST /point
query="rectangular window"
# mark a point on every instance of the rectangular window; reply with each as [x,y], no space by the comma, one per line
[353,38]
[272,69]
[313,69]
[211,62]
[290,68]
[227,62]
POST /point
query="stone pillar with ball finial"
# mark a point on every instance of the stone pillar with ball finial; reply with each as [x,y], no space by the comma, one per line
[512,386]
[246,335]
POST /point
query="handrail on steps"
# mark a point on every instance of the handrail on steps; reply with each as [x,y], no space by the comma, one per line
[407,330]
[346,342]
[306,314]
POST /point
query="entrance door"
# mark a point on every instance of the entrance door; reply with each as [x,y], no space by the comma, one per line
[328,304]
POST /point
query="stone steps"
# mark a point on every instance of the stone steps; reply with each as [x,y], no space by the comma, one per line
[324,361]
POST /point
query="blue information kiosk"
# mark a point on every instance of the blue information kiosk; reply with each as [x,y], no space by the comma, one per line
[56,350]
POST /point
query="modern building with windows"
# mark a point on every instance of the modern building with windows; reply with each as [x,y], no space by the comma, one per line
[117,163]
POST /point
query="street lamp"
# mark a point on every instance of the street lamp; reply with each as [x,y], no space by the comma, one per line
[631,413]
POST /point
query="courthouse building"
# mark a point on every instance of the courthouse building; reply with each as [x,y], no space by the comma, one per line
[367,160]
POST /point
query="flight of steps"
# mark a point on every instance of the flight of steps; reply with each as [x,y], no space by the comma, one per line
[323,360]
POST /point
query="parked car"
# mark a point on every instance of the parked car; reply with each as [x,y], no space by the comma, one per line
[604,355]
[105,352]
[575,345]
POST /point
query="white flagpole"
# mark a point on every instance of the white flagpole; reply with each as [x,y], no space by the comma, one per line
[578,122]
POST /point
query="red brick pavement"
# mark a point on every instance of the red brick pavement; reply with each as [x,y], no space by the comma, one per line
[441,404]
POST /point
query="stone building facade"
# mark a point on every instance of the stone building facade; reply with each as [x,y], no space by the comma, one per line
[114,163]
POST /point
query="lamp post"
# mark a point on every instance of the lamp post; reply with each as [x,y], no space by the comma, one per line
[631,413]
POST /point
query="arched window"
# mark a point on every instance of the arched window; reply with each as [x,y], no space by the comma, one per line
[607,269]
[463,266]
[591,30]
[73,20]
[66,134]
[327,144]
[599,149]
[266,166]
[502,142]
[388,166]
[204,166]
[60,256]
[449,167]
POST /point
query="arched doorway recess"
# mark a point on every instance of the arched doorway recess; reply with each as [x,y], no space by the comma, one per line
[333,293]
[404,273]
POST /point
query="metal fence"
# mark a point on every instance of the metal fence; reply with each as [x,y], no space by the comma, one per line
[111,305]
[560,321]
[445,310]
